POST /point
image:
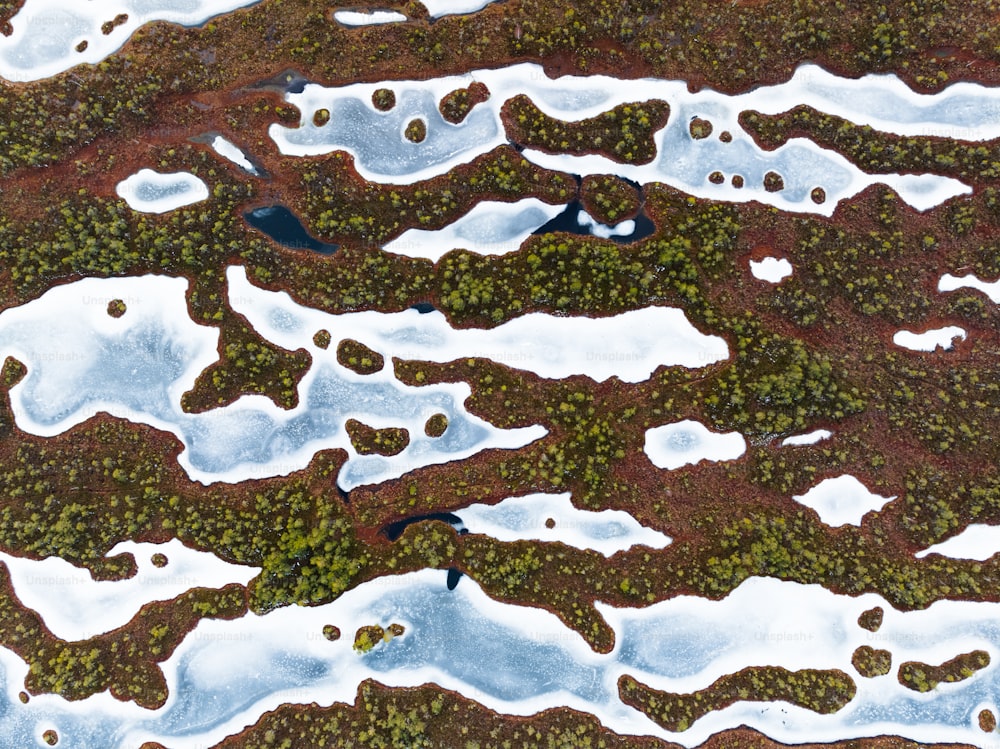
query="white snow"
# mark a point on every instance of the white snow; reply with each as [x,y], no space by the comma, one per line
[46,32]
[688,442]
[148,191]
[517,518]
[367,18]
[489,228]
[976,541]
[949,282]
[771,269]
[842,500]
[630,345]
[929,340]
[76,607]
[810,438]
[229,150]
[439,8]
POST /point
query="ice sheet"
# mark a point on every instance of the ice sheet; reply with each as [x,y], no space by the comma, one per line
[81,361]
[382,154]
[76,607]
[688,442]
[148,191]
[490,228]
[46,32]
[521,660]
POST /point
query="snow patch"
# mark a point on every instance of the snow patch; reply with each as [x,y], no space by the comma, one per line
[367,18]
[771,269]
[810,438]
[489,228]
[842,500]
[929,340]
[689,442]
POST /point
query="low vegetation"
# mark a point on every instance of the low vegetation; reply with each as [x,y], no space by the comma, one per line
[921,677]
[623,134]
[823,692]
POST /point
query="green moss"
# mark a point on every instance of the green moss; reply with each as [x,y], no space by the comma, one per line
[823,692]
[921,677]
[457,104]
[871,619]
[358,357]
[699,129]
[623,134]
[416,131]
[878,152]
[609,199]
[436,425]
[367,637]
[870,662]
[384,99]
[368,441]
[322,339]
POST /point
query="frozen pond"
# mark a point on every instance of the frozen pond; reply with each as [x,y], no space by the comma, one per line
[383,154]
[630,345]
[689,442]
[148,191]
[47,32]
[552,517]
[489,228]
[81,361]
[521,660]
[842,500]
[77,607]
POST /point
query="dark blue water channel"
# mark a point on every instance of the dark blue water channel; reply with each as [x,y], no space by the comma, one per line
[567,221]
[285,228]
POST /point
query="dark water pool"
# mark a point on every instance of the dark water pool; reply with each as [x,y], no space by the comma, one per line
[567,221]
[284,227]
